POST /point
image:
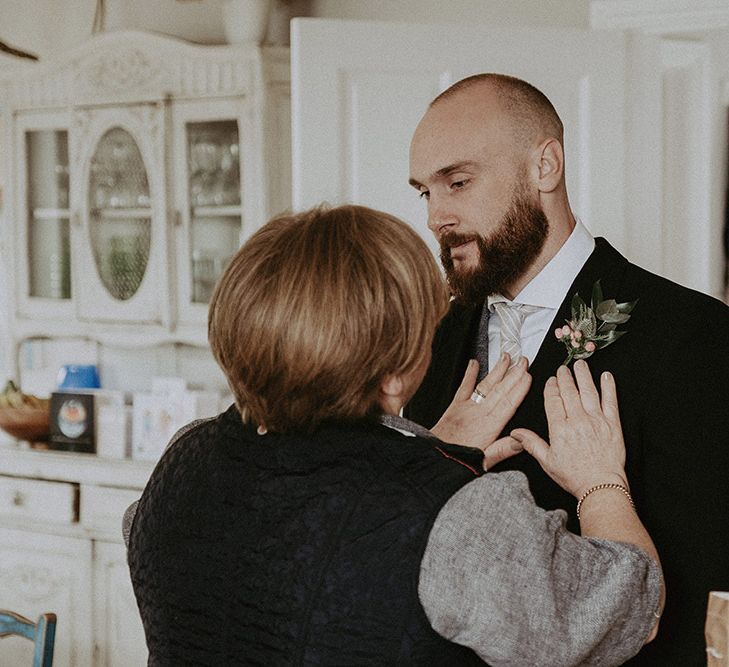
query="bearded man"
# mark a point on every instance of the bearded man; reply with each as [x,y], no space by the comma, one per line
[488,157]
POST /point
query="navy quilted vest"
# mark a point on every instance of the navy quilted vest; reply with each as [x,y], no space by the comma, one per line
[292,549]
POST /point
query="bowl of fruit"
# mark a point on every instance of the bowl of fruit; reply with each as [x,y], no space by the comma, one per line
[24,416]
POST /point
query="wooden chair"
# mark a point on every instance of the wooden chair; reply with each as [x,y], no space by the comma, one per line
[42,633]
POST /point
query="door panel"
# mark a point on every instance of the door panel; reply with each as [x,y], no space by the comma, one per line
[359,89]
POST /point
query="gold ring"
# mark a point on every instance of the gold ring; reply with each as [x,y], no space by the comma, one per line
[480,393]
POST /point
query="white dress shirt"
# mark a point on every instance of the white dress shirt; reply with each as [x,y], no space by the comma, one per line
[545,291]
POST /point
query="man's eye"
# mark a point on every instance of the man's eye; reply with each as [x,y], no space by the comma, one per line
[457,185]
[424,194]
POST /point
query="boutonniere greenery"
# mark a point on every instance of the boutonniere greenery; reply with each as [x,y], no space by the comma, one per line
[592,327]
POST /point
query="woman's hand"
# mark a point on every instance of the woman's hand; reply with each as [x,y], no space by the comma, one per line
[466,422]
[586,440]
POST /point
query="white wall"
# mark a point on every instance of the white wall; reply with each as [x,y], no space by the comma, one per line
[47,27]
[719,44]
[574,13]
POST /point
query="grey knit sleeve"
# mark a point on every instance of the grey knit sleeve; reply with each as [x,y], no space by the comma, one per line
[128,520]
[505,578]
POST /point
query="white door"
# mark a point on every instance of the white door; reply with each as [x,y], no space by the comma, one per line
[359,89]
[119,633]
[121,233]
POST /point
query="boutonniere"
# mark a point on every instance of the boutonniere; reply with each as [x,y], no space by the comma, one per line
[592,327]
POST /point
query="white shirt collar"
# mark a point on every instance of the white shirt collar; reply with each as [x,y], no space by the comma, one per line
[548,288]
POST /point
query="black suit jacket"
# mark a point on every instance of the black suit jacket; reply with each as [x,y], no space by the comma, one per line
[672,375]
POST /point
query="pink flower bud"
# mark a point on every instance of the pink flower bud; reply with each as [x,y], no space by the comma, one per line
[566,331]
[575,344]
[590,346]
[558,333]
[578,334]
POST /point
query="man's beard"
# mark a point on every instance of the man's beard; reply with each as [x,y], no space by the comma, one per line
[502,257]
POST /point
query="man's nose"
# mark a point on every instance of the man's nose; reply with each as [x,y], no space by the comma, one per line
[440,218]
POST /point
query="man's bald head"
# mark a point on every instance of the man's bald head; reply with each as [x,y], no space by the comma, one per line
[531,114]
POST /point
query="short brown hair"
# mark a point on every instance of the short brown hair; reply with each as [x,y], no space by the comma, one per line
[316,309]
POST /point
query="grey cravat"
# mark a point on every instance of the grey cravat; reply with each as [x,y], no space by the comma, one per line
[512,317]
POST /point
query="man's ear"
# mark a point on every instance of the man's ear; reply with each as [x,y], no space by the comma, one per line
[551,165]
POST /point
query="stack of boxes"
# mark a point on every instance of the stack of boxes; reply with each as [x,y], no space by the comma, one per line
[105,423]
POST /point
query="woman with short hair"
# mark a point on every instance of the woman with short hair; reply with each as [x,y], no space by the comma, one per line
[310,524]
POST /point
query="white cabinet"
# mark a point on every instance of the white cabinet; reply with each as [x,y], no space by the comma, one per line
[118,627]
[39,573]
[135,165]
[61,551]
[138,165]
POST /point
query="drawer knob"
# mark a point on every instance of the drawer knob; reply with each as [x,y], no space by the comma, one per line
[18,499]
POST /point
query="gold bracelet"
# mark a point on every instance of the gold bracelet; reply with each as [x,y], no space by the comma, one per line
[606,485]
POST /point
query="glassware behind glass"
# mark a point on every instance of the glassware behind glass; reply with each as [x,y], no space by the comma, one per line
[49,244]
[214,242]
[213,162]
[120,223]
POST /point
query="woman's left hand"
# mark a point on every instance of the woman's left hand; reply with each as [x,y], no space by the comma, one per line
[586,445]
[473,424]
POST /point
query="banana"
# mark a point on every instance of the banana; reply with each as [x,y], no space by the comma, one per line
[9,387]
[12,397]
[15,399]
[31,401]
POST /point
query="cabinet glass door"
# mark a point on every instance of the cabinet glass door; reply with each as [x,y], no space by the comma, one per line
[214,191]
[49,249]
[120,215]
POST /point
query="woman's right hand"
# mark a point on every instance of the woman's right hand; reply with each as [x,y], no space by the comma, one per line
[480,424]
[586,444]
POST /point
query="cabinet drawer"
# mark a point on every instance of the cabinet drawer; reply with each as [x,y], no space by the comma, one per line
[39,500]
[102,507]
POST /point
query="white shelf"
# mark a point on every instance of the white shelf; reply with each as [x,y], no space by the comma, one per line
[74,467]
[216,211]
[51,213]
[118,335]
[122,213]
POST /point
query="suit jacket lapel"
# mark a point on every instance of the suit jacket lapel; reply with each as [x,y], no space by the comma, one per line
[452,348]
[604,264]
[608,266]
[454,345]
